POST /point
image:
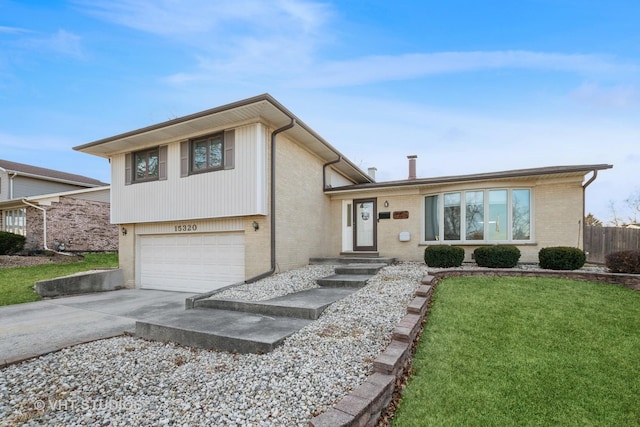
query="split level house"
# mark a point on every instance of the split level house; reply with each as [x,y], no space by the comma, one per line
[237,192]
[55,210]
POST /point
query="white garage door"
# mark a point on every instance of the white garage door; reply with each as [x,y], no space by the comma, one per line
[191,262]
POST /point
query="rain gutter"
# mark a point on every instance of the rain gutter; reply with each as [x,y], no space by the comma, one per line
[324,171]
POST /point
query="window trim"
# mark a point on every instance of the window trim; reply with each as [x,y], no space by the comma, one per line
[485,241]
[147,152]
[208,168]
[228,153]
[130,165]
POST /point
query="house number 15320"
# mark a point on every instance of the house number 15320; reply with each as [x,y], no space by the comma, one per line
[187,227]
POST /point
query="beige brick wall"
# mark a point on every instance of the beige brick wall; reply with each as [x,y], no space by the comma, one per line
[302,208]
[557,208]
[81,225]
[127,254]
[257,246]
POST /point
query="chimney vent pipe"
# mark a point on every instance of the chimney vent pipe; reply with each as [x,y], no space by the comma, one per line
[412,166]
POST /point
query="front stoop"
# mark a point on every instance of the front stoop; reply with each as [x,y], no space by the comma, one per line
[355,259]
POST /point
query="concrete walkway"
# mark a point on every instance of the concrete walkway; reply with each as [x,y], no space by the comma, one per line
[33,329]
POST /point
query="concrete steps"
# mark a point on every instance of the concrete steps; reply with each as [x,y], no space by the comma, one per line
[344,280]
[352,260]
[307,304]
[370,269]
[221,330]
[260,326]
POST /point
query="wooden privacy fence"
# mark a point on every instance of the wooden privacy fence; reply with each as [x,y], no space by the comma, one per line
[601,241]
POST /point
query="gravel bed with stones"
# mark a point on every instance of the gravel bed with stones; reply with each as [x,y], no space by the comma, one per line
[279,284]
[129,381]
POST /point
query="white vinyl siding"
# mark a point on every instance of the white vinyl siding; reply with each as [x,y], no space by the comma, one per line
[224,193]
[191,262]
[25,187]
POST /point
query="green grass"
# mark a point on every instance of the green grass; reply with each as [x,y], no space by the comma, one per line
[526,352]
[16,284]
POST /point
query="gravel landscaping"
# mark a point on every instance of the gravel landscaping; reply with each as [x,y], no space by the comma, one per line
[129,381]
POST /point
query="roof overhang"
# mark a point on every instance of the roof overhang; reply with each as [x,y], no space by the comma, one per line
[263,108]
[546,172]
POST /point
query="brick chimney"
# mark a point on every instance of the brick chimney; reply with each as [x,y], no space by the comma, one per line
[412,166]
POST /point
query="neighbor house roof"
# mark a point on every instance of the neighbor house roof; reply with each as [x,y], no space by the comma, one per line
[262,107]
[550,171]
[49,174]
[20,202]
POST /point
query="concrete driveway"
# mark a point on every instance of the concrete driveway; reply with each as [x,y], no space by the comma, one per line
[33,329]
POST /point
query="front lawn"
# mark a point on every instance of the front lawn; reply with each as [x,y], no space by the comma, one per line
[16,284]
[526,352]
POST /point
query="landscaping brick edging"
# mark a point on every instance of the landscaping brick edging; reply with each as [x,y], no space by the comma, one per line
[364,405]
[631,281]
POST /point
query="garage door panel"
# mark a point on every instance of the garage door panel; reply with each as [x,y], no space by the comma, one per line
[191,263]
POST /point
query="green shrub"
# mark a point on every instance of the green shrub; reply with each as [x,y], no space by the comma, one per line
[10,243]
[443,256]
[624,262]
[561,258]
[499,256]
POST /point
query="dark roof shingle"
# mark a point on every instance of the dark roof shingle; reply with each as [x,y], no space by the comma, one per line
[50,174]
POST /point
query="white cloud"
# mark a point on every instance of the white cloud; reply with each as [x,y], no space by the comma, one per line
[619,96]
[61,42]
[188,17]
[375,69]
[228,40]
[12,30]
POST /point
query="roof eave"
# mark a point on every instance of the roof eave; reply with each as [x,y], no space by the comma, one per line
[491,176]
[273,112]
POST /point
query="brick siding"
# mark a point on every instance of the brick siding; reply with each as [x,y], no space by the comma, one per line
[81,225]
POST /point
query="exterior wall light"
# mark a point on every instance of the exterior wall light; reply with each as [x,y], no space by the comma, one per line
[124,231]
[255,225]
[386,203]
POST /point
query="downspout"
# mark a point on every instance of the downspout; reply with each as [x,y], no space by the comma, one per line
[190,302]
[324,171]
[44,221]
[584,203]
[272,211]
[11,185]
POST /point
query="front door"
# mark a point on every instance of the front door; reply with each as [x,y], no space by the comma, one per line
[365,230]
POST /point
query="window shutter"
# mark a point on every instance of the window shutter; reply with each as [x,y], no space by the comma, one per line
[128,163]
[184,158]
[229,149]
[162,162]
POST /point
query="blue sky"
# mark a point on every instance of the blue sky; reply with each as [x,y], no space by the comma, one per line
[468,86]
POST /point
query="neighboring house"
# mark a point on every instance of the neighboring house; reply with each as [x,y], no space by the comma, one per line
[237,192]
[55,210]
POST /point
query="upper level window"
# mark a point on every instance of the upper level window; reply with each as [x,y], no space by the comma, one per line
[207,153]
[502,215]
[146,165]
